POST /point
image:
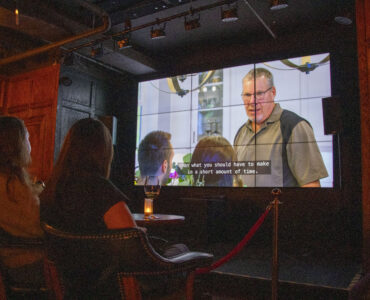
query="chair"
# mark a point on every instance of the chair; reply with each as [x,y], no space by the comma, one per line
[122,262]
[9,289]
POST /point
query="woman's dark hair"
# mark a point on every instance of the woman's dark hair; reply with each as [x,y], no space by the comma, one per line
[87,147]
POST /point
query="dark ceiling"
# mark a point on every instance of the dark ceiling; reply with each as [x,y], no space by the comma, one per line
[48,21]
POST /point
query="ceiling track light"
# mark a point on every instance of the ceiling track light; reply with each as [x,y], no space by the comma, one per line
[229,15]
[122,41]
[278,4]
[128,24]
[97,51]
[158,33]
[191,24]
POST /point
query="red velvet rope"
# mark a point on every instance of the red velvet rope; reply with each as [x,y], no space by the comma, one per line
[238,247]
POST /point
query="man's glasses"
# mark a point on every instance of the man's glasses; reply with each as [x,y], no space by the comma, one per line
[259,95]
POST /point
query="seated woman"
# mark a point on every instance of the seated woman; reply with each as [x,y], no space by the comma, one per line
[212,149]
[19,202]
[79,197]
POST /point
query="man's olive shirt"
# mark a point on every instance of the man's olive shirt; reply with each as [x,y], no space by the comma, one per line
[303,162]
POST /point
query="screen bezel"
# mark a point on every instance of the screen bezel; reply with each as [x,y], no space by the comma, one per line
[335,141]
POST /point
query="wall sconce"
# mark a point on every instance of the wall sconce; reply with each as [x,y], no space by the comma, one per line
[66,81]
[229,15]
[192,23]
[278,4]
[148,207]
[158,33]
[16,13]
[344,18]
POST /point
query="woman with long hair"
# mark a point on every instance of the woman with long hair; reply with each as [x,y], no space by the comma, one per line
[19,202]
[79,196]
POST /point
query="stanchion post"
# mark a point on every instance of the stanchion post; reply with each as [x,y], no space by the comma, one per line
[275,238]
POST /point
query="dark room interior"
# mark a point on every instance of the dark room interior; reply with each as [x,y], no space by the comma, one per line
[61,61]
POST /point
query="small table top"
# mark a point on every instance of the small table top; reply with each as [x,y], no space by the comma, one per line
[158,219]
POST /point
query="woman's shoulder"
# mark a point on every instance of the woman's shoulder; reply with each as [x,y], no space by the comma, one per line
[101,186]
[15,188]
[108,186]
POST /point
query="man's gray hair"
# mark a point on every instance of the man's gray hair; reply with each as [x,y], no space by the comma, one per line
[259,72]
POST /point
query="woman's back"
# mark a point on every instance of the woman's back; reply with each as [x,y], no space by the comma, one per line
[19,202]
[80,203]
[19,215]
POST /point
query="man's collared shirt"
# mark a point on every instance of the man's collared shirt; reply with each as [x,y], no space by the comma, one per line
[263,152]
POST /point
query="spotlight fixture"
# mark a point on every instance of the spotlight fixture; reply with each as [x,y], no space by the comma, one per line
[68,59]
[122,41]
[158,33]
[229,15]
[96,52]
[192,23]
[128,24]
[278,4]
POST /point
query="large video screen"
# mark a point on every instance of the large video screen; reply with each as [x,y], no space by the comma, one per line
[255,125]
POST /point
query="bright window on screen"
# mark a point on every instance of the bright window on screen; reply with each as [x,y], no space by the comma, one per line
[209,109]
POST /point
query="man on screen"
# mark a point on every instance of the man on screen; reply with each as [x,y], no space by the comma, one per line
[278,145]
[155,156]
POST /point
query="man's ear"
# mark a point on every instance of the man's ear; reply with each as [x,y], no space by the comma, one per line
[164,166]
[273,90]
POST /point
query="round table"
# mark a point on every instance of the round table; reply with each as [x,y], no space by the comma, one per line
[159,219]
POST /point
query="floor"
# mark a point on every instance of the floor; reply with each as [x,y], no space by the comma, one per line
[324,272]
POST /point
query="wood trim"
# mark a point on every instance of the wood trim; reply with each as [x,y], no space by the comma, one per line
[131,288]
[2,94]
[363,41]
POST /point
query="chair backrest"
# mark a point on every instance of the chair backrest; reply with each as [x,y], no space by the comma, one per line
[2,288]
[8,287]
[88,262]
[129,248]
[53,281]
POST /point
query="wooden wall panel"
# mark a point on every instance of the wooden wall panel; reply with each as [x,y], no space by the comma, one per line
[33,98]
[363,38]
[365,5]
[2,92]
[44,89]
[19,95]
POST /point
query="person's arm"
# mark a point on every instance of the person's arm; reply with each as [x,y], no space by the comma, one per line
[119,216]
[304,157]
[312,184]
